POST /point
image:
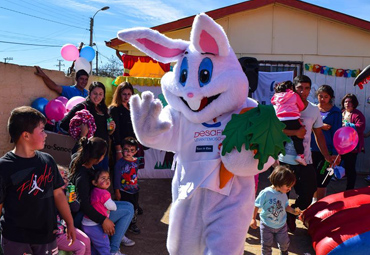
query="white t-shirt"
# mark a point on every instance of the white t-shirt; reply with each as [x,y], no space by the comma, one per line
[311,118]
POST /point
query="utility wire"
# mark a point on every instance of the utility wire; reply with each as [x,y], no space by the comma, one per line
[31,44]
[53,10]
[32,8]
[42,18]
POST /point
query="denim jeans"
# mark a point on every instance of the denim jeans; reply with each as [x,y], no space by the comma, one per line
[269,234]
[121,218]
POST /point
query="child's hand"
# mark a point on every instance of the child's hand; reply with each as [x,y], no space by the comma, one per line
[71,234]
[253,224]
[297,211]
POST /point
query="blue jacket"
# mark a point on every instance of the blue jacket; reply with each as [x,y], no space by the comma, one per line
[334,119]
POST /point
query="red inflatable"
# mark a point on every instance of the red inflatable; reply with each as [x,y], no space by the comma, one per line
[340,223]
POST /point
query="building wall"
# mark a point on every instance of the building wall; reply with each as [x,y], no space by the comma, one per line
[20,86]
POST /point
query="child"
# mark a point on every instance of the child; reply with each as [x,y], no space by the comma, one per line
[103,203]
[82,244]
[274,204]
[288,106]
[91,152]
[125,185]
[31,189]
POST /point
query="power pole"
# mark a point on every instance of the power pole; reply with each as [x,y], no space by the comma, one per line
[60,64]
[7,58]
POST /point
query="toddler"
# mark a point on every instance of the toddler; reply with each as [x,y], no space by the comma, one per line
[288,106]
[101,200]
[275,204]
[125,185]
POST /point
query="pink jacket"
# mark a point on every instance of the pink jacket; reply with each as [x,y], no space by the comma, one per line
[287,104]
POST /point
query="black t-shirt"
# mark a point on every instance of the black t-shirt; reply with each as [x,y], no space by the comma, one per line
[27,186]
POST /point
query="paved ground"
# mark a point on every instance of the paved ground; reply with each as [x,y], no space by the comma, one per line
[155,199]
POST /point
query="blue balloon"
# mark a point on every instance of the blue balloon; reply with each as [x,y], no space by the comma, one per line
[39,104]
[87,53]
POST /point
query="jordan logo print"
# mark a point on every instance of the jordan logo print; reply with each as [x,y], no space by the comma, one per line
[35,186]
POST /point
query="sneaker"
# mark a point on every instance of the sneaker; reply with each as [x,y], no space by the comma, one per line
[300,159]
[127,241]
[134,229]
[140,211]
[117,253]
[290,220]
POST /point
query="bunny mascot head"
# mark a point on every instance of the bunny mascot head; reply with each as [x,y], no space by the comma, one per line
[206,87]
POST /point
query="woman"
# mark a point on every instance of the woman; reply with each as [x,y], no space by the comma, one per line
[352,118]
[332,119]
[95,104]
[120,112]
[82,172]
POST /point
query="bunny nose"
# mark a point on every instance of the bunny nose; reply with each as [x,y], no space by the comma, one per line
[190,95]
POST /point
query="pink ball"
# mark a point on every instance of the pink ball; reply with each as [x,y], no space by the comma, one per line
[345,140]
[64,100]
[69,52]
[74,101]
[55,110]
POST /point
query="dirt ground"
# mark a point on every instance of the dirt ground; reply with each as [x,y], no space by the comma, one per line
[155,199]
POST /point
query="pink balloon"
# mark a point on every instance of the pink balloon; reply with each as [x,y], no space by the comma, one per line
[55,110]
[74,101]
[64,100]
[69,52]
[345,140]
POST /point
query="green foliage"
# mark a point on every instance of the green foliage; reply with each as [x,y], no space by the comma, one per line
[258,129]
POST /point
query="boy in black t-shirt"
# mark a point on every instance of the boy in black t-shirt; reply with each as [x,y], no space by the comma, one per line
[31,189]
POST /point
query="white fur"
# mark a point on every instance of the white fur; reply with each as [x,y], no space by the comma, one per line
[204,219]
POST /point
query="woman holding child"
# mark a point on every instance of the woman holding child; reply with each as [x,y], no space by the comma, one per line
[90,153]
[95,104]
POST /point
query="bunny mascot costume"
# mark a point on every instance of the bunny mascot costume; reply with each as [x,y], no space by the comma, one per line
[206,87]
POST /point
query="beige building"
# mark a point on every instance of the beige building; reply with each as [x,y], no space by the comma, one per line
[292,35]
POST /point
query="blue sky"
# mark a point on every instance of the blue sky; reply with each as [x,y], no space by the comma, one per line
[54,23]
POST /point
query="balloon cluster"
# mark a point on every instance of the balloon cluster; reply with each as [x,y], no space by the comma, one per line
[82,58]
[55,109]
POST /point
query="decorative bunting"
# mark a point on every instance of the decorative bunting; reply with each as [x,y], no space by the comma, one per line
[316,68]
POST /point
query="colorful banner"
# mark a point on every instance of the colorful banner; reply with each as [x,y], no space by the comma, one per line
[316,68]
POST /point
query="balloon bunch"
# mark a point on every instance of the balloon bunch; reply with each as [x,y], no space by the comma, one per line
[82,58]
[55,109]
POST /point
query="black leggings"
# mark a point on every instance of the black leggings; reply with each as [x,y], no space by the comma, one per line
[349,161]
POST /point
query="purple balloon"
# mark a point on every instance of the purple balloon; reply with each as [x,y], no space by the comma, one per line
[55,110]
[345,140]
[63,99]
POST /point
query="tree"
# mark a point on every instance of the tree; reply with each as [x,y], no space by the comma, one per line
[112,68]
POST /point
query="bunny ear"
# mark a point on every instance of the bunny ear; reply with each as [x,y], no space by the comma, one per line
[154,44]
[208,37]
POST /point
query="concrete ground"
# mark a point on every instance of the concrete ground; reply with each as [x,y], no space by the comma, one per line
[155,199]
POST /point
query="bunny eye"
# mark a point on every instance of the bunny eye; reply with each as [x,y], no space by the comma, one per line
[205,71]
[183,71]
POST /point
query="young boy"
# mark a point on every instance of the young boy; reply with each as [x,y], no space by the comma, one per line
[274,204]
[125,185]
[31,189]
